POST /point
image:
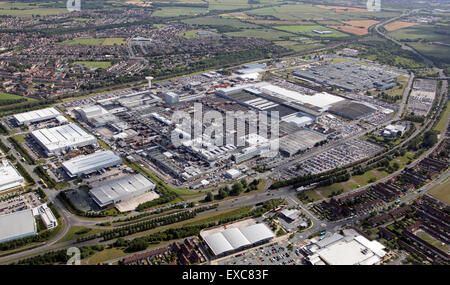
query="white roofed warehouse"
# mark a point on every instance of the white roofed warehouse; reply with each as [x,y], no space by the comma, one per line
[61,139]
[237,236]
[28,118]
[86,164]
[122,189]
[17,225]
[9,176]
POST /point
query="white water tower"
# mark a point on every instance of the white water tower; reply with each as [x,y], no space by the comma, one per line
[149,79]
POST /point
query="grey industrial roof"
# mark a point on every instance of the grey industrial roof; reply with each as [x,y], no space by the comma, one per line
[85,164]
[300,140]
[17,225]
[236,238]
[37,115]
[62,136]
[116,190]
[329,240]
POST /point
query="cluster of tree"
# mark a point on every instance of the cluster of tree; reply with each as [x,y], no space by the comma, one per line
[389,98]
[415,118]
[23,152]
[236,189]
[60,256]
[266,207]
[40,171]
[309,179]
[28,106]
[3,129]
[3,147]
[12,101]
[147,225]
[25,173]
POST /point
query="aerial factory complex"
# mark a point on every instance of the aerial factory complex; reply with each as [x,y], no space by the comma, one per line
[198,132]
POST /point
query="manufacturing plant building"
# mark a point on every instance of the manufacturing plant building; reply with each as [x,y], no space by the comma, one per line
[63,138]
[17,225]
[122,189]
[235,237]
[36,116]
[87,164]
[348,249]
[22,224]
[9,177]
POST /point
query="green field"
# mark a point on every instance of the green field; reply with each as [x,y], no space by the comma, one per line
[301,12]
[179,11]
[266,34]
[95,41]
[423,32]
[95,64]
[28,9]
[6,96]
[437,52]
[443,121]
[307,29]
[220,21]
[442,191]
[78,231]
[192,34]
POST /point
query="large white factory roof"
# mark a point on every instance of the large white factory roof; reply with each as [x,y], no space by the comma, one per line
[321,100]
[347,250]
[236,238]
[62,137]
[121,189]
[85,164]
[17,225]
[9,176]
[36,116]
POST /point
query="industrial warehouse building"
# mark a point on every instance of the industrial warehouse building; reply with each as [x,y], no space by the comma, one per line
[300,141]
[122,189]
[36,116]
[348,249]
[63,138]
[9,176]
[17,225]
[238,236]
[86,164]
[352,110]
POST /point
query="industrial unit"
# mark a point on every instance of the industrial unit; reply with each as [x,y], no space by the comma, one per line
[232,238]
[122,189]
[17,225]
[9,176]
[86,164]
[300,141]
[63,138]
[350,249]
[28,118]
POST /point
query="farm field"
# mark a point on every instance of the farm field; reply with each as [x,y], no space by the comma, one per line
[96,64]
[179,11]
[397,25]
[423,32]
[298,12]
[267,34]
[220,21]
[438,52]
[28,10]
[309,30]
[357,27]
[95,41]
